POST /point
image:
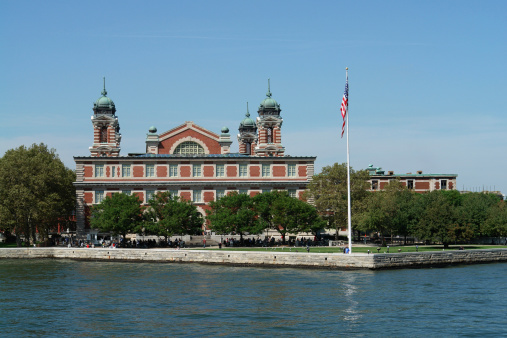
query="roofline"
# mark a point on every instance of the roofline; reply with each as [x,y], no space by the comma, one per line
[175,157]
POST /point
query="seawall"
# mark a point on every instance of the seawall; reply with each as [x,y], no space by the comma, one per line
[268,259]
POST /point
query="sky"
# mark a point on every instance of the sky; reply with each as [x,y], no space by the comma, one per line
[427,79]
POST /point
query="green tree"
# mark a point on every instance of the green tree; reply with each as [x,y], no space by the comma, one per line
[36,192]
[168,216]
[438,221]
[328,191]
[118,214]
[263,204]
[291,215]
[234,213]
[495,224]
[474,210]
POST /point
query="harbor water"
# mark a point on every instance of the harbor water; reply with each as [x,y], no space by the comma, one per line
[55,298]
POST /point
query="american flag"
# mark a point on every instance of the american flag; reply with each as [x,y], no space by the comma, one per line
[345,104]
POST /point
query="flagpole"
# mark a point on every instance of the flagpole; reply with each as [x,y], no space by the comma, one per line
[348,171]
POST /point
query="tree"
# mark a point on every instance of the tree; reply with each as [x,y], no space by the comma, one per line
[291,215]
[263,207]
[328,190]
[474,209]
[168,216]
[495,224]
[392,210]
[234,213]
[439,219]
[119,214]
[36,192]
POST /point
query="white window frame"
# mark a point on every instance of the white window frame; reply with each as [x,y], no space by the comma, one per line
[99,170]
[125,170]
[99,196]
[219,194]
[291,170]
[173,170]
[243,170]
[196,170]
[292,193]
[266,170]
[220,170]
[197,196]
[150,170]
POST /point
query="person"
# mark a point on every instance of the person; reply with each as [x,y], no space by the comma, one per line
[204,243]
[347,250]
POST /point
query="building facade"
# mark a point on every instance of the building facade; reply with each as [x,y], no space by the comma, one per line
[189,161]
[419,182]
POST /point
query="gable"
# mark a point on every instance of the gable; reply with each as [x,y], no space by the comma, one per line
[189,132]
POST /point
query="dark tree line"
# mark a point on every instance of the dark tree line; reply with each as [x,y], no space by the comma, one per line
[241,214]
[443,216]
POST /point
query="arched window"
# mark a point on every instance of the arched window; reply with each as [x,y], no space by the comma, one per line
[270,134]
[103,135]
[190,148]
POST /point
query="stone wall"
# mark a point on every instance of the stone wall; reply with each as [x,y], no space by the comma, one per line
[271,259]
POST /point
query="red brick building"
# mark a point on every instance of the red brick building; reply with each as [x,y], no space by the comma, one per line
[189,161]
[419,182]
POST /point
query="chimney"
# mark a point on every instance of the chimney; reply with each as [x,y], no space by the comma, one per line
[419,172]
[390,173]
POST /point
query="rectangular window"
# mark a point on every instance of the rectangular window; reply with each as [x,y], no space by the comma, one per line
[99,196]
[291,170]
[443,184]
[266,170]
[196,170]
[374,185]
[126,192]
[243,170]
[220,170]
[266,190]
[125,170]
[113,171]
[150,170]
[173,170]
[149,195]
[292,193]
[196,196]
[173,193]
[410,184]
[99,170]
[220,194]
[243,191]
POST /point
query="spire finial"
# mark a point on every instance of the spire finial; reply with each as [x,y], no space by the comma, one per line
[104,91]
[268,94]
[247,112]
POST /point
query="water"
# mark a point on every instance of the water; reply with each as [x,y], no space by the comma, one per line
[53,298]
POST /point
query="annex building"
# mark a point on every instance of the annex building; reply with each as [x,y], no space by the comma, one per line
[189,161]
[418,182]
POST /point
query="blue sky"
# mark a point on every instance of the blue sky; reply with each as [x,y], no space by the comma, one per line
[428,79]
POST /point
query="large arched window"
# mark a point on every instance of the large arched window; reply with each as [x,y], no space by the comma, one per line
[103,135]
[189,147]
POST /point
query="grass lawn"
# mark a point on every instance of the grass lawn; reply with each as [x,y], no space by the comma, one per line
[9,245]
[361,249]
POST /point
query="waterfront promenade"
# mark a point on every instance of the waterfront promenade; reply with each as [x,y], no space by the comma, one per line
[268,259]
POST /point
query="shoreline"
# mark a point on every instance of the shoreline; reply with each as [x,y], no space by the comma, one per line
[339,261]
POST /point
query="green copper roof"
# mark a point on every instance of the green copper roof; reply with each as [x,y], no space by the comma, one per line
[247,121]
[104,101]
[269,102]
